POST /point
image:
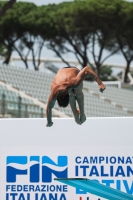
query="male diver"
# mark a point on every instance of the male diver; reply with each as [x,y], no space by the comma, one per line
[66,88]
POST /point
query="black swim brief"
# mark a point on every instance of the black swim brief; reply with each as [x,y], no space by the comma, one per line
[71,67]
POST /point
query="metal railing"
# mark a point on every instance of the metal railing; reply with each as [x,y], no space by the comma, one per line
[19,109]
[43,105]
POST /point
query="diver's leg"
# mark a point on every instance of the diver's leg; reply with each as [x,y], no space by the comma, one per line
[72,101]
[80,99]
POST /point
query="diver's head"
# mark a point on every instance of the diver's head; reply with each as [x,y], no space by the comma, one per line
[62,98]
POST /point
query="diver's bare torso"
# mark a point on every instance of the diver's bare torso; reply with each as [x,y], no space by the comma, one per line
[63,77]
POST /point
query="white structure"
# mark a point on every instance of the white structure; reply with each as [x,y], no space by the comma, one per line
[71,61]
[32,155]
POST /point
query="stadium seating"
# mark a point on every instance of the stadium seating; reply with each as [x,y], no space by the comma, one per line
[28,109]
[112,103]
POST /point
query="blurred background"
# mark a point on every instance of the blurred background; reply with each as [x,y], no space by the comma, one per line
[38,37]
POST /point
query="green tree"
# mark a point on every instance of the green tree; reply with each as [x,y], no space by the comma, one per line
[121,34]
[106,74]
[6,6]
[11,27]
[37,30]
[70,27]
[80,28]
[124,37]
[3,50]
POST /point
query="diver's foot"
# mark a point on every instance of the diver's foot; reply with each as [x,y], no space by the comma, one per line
[82,118]
[77,120]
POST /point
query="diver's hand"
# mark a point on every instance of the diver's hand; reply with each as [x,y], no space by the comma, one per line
[49,124]
[102,87]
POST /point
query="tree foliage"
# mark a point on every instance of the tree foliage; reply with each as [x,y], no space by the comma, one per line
[6,6]
[86,29]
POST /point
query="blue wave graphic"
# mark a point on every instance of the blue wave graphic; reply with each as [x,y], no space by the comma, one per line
[12,172]
[16,159]
[17,165]
[62,161]
[35,158]
[47,174]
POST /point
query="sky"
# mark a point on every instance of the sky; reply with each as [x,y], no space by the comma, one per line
[115,59]
[45,2]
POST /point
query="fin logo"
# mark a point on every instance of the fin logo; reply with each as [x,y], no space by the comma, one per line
[30,166]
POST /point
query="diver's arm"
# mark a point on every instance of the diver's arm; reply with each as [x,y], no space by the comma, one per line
[75,82]
[50,105]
